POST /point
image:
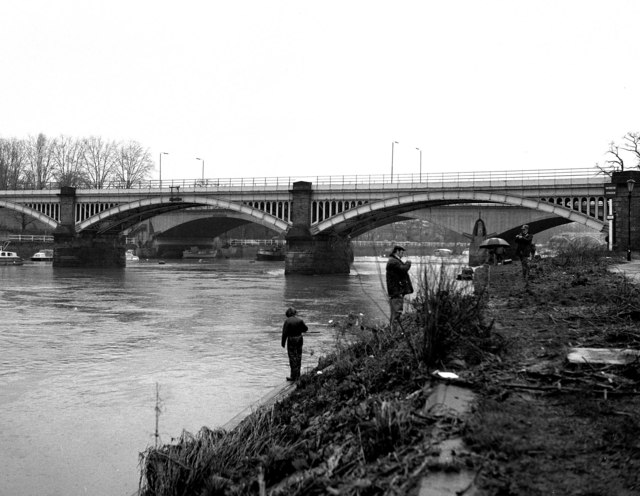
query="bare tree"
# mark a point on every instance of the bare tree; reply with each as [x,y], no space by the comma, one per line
[68,161]
[11,163]
[133,164]
[99,160]
[39,162]
[632,144]
[603,170]
[617,161]
[23,220]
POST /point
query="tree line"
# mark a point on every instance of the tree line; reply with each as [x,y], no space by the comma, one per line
[39,162]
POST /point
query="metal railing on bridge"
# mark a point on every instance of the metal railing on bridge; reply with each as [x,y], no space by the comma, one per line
[257,242]
[427,179]
[23,238]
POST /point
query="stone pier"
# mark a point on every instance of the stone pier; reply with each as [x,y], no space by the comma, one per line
[312,255]
[84,249]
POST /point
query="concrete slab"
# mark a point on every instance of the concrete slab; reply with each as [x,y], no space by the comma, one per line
[448,484]
[447,399]
[450,401]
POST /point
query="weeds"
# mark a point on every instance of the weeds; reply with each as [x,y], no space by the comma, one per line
[580,252]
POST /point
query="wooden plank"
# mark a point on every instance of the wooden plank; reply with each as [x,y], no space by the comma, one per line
[607,356]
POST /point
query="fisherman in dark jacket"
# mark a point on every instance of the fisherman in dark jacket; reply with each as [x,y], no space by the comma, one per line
[524,250]
[398,282]
[292,331]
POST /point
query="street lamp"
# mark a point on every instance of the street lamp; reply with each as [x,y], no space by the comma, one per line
[161,154]
[201,160]
[393,143]
[420,163]
[630,184]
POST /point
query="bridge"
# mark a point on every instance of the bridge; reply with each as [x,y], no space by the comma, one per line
[318,215]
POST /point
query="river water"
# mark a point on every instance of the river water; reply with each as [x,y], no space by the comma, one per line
[82,351]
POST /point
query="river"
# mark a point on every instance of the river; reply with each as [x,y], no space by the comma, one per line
[82,352]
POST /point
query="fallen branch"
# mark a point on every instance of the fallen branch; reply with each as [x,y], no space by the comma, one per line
[564,389]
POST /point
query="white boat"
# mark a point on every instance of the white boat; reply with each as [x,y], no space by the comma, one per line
[9,257]
[442,252]
[43,256]
[131,257]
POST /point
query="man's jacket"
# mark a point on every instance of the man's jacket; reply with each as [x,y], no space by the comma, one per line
[398,280]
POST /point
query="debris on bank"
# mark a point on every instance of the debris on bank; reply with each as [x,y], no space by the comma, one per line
[606,356]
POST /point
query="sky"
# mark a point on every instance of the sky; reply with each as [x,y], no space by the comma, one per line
[261,88]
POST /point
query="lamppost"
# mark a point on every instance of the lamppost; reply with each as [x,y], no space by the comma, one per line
[630,184]
[393,143]
[161,154]
[420,163]
[201,160]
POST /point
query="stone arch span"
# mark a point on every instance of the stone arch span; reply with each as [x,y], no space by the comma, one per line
[153,206]
[30,212]
[371,213]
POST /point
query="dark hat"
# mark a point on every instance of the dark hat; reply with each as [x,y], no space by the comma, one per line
[397,248]
[525,226]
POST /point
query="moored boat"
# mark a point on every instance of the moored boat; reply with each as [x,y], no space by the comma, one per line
[443,252]
[275,254]
[9,257]
[43,256]
[131,257]
[197,253]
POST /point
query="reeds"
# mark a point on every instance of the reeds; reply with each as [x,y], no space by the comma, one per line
[448,316]
[209,461]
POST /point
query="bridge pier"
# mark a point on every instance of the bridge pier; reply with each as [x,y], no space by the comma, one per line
[308,254]
[318,255]
[88,251]
[84,249]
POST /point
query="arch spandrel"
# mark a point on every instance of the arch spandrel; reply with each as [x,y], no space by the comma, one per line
[16,207]
[151,206]
[363,214]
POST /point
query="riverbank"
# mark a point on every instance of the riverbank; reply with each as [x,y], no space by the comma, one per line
[540,424]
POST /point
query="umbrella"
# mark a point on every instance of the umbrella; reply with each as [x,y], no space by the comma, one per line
[493,243]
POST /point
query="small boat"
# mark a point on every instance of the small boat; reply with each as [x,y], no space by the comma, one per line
[131,257]
[9,257]
[275,254]
[198,254]
[442,252]
[43,256]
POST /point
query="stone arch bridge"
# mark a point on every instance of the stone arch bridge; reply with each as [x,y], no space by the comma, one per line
[318,215]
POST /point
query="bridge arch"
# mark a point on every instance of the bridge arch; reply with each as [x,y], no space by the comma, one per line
[30,212]
[389,207]
[151,205]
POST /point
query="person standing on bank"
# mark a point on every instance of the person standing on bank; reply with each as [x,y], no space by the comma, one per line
[398,282]
[524,242]
[292,331]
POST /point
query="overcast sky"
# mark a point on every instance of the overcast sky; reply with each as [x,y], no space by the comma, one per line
[280,88]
